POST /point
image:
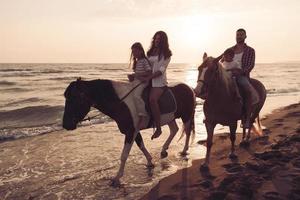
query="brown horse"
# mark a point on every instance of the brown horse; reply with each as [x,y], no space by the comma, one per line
[222,106]
[108,97]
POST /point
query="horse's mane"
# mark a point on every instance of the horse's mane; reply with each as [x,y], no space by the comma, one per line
[223,75]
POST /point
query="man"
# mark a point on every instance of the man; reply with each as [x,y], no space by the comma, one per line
[244,55]
[247,53]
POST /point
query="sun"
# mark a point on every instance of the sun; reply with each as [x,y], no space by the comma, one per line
[194,31]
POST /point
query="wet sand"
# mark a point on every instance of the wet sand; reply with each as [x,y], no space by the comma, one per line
[79,165]
[268,169]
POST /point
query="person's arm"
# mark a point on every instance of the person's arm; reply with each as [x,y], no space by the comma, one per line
[162,68]
[235,70]
[249,61]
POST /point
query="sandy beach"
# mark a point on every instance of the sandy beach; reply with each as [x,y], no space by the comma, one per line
[268,169]
[70,165]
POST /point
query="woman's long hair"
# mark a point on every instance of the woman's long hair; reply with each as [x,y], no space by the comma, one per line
[138,46]
[163,48]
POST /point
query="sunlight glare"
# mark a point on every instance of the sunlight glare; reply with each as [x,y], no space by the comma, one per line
[195,31]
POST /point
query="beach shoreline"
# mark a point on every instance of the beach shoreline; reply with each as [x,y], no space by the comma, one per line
[80,164]
[268,169]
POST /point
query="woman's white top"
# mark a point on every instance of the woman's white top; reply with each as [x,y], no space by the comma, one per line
[159,65]
[238,58]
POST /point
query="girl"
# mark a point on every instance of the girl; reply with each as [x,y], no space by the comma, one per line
[142,69]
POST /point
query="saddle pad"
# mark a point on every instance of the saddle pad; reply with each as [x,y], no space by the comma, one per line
[167,102]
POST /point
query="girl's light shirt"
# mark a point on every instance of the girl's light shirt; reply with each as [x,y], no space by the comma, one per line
[159,65]
[230,65]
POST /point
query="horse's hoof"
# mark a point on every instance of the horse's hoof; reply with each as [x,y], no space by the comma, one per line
[204,167]
[244,144]
[150,166]
[232,156]
[115,183]
[163,154]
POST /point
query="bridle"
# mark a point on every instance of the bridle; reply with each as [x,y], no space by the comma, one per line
[82,94]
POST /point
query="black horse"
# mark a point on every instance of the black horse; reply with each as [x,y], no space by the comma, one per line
[106,96]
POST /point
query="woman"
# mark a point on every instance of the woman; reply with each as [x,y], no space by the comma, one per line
[159,56]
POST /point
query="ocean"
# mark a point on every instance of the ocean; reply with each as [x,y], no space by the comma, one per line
[32,104]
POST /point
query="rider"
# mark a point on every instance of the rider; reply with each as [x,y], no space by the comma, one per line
[142,69]
[159,56]
[244,55]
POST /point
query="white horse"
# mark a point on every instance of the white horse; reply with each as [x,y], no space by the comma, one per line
[106,96]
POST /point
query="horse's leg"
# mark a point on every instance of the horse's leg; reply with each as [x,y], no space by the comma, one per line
[187,130]
[232,128]
[244,133]
[210,132]
[125,152]
[248,133]
[173,130]
[139,141]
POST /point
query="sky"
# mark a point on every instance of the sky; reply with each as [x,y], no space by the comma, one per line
[102,31]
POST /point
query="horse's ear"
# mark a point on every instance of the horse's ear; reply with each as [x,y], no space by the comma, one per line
[204,56]
[78,82]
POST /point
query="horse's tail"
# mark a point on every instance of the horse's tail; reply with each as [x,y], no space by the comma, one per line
[257,130]
[190,126]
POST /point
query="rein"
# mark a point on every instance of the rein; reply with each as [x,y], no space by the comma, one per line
[121,100]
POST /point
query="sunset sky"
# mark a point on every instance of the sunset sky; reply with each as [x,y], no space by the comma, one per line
[102,31]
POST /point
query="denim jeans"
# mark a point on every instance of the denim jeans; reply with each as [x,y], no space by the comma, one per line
[244,83]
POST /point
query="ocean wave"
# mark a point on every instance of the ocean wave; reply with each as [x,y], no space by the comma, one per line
[19,74]
[15,89]
[37,120]
[31,116]
[7,83]
[15,70]
[23,101]
[63,78]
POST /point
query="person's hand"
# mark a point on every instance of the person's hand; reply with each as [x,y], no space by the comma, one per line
[237,72]
[130,77]
[145,79]
[245,72]
[222,59]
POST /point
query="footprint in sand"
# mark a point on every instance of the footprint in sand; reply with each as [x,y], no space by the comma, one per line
[260,168]
[296,163]
[205,184]
[266,131]
[233,168]
[272,196]
[217,195]
[278,120]
[168,197]
[294,194]
[266,155]
[296,182]
[295,138]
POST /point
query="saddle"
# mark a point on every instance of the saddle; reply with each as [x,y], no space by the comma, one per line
[167,103]
[240,94]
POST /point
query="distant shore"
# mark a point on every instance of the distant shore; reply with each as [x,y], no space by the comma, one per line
[268,169]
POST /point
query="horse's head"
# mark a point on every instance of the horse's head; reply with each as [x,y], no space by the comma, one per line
[77,104]
[206,73]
